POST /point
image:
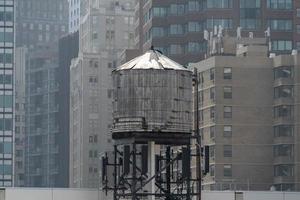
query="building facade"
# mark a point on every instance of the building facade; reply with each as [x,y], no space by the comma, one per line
[176,28]
[7,44]
[19,156]
[68,49]
[77,9]
[39,26]
[248,117]
[106,31]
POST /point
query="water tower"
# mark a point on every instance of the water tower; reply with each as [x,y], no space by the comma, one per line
[152,130]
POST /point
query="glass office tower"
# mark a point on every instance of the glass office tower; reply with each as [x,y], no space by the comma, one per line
[6,91]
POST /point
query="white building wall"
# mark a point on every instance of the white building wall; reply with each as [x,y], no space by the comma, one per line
[74,15]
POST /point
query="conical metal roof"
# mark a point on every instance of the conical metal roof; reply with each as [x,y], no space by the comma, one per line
[152,59]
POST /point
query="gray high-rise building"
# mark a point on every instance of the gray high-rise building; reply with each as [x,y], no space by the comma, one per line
[105,31]
[40,24]
[249,117]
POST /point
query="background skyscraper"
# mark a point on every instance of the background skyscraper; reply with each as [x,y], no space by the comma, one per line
[105,31]
[6,92]
[176,27]
[40,24]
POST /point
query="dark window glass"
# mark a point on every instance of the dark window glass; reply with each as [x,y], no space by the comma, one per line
[283,131]
[283,150]
[283,170]
[283,72]
[227,73]
[227,92]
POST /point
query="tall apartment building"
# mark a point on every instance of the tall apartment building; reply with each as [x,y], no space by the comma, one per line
[106,30]
[176,27]
[19,156]
[39,26]
[6,92]
[249,117]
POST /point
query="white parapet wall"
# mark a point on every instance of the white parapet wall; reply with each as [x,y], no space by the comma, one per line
[87,194]
[51,194]
[250,195]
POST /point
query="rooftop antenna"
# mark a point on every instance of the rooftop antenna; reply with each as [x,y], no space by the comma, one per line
[239,32]
[206,35]
[268,32]
[215,30]
[268,36]
[251,35]
[220,32]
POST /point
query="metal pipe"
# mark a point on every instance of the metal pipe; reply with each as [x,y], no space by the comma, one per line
[197,133]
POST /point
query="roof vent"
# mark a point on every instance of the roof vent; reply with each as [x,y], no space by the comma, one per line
[294,52]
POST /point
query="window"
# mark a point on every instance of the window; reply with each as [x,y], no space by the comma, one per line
[212,131]
[283,72]
[212,113]
[280,4]
[90,170]
[200,98]
[95,138]
[212,151]
[212,74]
[280,25]
[194,27]
[196,47]
[176,49]
[6,148]
[95,154]
[93,79]
[90,139]
[298,12]
[283,150]
[284,91]
[219,4]
[5,58]
[227,92]
[90,153]
[212,94]
[227,150]
[176,29]
[227,131]
[159,11]
[284,111]
[193,47]
[157,32]
[249,4]
[227,73]
[250,14]
[176,9]
[193,6]
[285,187]
[283,131]
[212,170]
[283,170]
[227,112]
[8,124]
[281,45]
[227,170]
